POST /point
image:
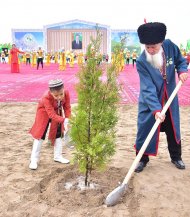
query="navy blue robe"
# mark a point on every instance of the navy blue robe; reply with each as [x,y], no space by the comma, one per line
[151,98]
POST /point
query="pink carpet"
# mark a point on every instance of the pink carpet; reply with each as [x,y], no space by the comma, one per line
[30,84]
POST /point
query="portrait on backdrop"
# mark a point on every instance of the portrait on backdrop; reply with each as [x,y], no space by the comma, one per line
[76,40]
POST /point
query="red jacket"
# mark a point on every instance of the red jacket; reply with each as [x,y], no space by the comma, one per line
[48,109]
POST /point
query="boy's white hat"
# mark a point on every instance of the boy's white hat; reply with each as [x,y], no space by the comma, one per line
[55,83]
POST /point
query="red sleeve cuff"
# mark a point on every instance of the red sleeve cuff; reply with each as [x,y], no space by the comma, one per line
[179,73]
[154,112]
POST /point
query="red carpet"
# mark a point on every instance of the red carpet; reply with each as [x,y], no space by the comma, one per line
[30,84]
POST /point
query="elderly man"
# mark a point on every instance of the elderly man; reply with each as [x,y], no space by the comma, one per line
[157,67]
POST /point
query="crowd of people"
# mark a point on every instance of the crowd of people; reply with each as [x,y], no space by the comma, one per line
[37,58]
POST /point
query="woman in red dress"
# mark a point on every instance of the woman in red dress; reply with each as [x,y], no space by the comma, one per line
[14,59]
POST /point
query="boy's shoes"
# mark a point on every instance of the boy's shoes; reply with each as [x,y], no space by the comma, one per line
[33,165]
[62,160]
[140,167]
[179,164]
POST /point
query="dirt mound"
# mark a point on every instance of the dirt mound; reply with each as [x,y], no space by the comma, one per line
[62,188]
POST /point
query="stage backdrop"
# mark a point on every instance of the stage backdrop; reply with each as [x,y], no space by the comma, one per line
[131,39]
[60,36]
[57,36]
[29,39]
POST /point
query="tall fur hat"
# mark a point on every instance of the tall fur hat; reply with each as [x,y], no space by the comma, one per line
[152,33]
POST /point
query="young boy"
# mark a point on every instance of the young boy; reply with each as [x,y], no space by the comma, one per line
[49,110]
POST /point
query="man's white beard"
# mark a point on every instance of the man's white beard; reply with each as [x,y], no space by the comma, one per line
[155,60]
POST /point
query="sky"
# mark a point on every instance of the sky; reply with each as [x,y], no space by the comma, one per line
[118,14]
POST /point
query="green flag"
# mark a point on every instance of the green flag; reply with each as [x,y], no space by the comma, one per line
[188,46]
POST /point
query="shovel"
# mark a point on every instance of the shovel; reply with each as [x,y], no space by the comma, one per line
[113,198]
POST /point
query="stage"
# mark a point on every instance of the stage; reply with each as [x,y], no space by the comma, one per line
[30,84]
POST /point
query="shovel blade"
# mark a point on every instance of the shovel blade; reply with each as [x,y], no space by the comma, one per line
[114,197]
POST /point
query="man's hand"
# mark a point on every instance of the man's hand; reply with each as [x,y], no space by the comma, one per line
[183,77]
[160,116]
